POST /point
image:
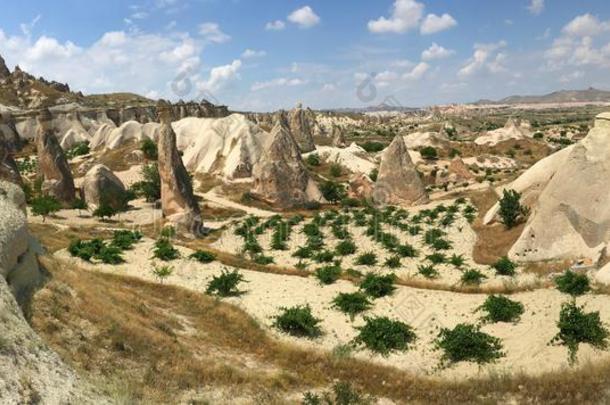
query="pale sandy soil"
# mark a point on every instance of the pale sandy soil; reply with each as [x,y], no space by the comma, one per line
[525,343]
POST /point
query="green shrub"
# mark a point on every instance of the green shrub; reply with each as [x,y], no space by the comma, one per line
[303,252]
[346,248]
[406,250]
[378,286]
[341,394]
[110,255]
[85,250]
[576,327]
[505,267]
[263,260]
[367,259]
[511,211]
[433,235]
[572,283]
[150,186]
[427,271]
[374,174]
[332,191]
[168,232]
[392,262]
[457,260]
[441,244]
[104,210]
[79,204]
[472,277]
[252,246]
[383,335]
[352,303]
[225,285]
[298,321]
[328,274]
[467,343]
[313,159]
[124,239]
[437,258]
[164,250]
[428,152]
[501,309]
[335,170]
[79,149]
[324,256]
[203,256]
[149,148]
[45,206]
[372,146]
[162,272]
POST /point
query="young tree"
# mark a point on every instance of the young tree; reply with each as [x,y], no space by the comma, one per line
[104,211]
[149,148]
[45,206]
[511,210]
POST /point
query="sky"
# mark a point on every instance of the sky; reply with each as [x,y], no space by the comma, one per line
[261,55]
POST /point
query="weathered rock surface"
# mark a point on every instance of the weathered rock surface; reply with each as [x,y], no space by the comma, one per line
[280,177]
[513,129]
[110,137]
[178,201]
[398,182]
[571,217]
[361,187]
[458,171]
[301,127]
[102,186]
[8,132]
[8,167]
[52,164]
[338,137]
[4,71]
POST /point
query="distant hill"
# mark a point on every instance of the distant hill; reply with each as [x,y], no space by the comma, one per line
[375,108]
[563,96]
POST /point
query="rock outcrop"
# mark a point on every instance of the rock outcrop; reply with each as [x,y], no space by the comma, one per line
[338,136]
[513,129]
[301,128]
[417,140]
[361,187]
[178,201]
[458,171]
[570,219]
[52,164]
[398,182]
[102,186]
[8,132]
[280,177]
[110,137]
[4,71]
[8,168]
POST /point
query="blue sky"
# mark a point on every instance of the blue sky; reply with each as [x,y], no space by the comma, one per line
[268,54]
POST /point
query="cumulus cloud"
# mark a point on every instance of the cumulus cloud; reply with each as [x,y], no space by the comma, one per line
[304,17]
[433,23]
[436,52]
[406,15]
[252,53]
[536,7]
[417,72]
[220,76]
[586,25]
[277,25]
[486,56]
[279,82]
[211,32]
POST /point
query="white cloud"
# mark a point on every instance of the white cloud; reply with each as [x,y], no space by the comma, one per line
[211,32]
[436,52]
[406,15]
[536,7]
[485,56]
[304,17]
[433,23]
[279,82]
[585,25]
[403,63]
[277,25]
[26,28]
[417,72]
[220,76]
[252,53]
[328,87]
[47,48]
[570,77]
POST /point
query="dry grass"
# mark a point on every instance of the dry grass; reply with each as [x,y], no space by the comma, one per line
[54,238]
[115,159]
[172,341]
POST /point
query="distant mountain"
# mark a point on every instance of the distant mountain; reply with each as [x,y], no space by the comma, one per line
[375,108]
[563,96]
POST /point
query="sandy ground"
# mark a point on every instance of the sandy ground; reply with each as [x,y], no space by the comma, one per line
[525,343]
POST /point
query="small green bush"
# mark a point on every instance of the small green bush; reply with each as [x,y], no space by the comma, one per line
[427,271]
[263,260]
[406,250]
[104,211]
[203,256]
[168,232]
[164,250]
[110,255]
[342,394]
[572,283]
[162,272]
[367,259]
[328,274]
[346,248]
[437,258]
[505,267]
[225,285]
[428,152]
[303,252]
[378,286]
[392,262]
[332,191]
[383,335]
[335,170]
[85,250]
[457,260]
[472,277]
[45,206]
[467,343]
[124,239]
[501,309]
[576,327]
[298,321]
[325,256]
[149,148]
[352,303]
[313,159]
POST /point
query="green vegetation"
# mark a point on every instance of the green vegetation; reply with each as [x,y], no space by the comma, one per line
[298,321]
[511,210]
[203,256]
[346,248]
[313,159]
[225,285]
[505,267]
[576,327]
[164,250]
[472,277]
[367,259]
[467,343]
[428,152]
[336,170]
[378,286]
[149,148]
[328,274]
[427,271]
[352,303]
[372,146]
[104,211]
[45,206]
[150,187]
[383,335]
[572,283]
[162,272]
[392,262]
[341,394]
[332,191]
[124,239]
[501,309]
[79,149]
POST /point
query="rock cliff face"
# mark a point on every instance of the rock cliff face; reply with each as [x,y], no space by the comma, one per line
[398,182]
[570,218]
[177,198]
[100,185]
[8,167]
[52,164]
[301,125]
[280,176]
